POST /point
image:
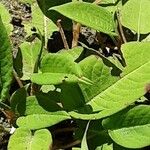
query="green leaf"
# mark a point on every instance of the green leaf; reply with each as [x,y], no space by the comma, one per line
[138,12]
[82,12]
[6,63]
[45,25]
[101,72]
[105,147]
[84,145]
[96,135]
[60,63]
[6,18]
[53,78]
[38,121]
[131,127]
[75,52]
[57,78]
[31,2]
[71,96]
[30,53]
[117,95]
[41,112]
[54,16]
[24,139]
[18,101]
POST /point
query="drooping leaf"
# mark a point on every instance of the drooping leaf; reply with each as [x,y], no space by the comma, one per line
[23,139]
[118,95]
[131,127]
[41,112]
[6,63]
[138,12]
[88,14]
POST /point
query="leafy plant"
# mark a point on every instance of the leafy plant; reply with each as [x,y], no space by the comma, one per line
[99,97]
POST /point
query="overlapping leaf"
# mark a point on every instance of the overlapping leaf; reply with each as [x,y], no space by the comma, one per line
[6,63]
[131,127]
[23,139]
[57,69]
[117,96]
[41,112]
[88,14]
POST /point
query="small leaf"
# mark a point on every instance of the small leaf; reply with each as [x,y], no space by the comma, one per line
[75,52]
[88,14]
[105,147]
[131,127]
[60,63]
[84,145]
[30,53]
[138,12]
[25,140]
[6,63]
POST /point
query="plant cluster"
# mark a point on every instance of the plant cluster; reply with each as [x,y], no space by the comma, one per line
[97,97]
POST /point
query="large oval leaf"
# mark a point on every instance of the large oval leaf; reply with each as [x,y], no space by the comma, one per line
[41,112]
[23,139]
[88,14]
[134,79]
[135,15]
[6,63]
[131,127]
[38,121]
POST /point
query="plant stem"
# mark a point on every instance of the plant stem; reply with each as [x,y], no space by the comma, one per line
[17,78]
[3,105]
[97,2]
[76,33]
[62,34]
[120,28]
[35,87]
